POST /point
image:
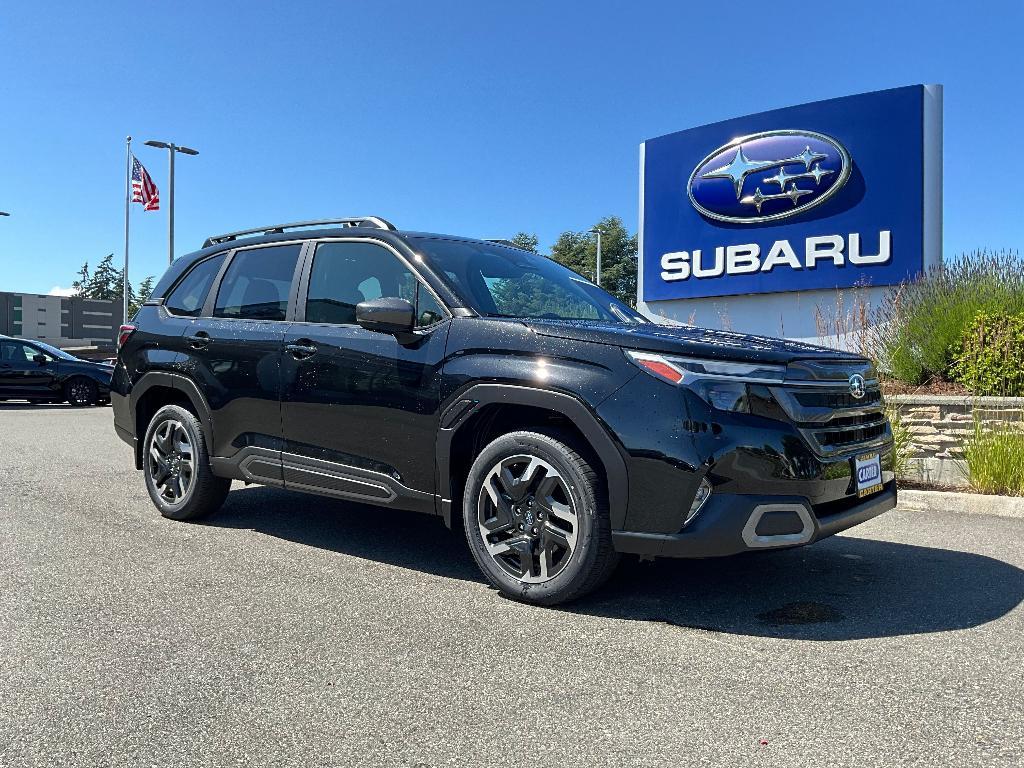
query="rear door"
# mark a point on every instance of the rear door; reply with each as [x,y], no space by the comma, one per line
[359,408]
[232,350]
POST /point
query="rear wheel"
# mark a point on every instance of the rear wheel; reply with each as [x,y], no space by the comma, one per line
[81,392]
[176,465]
[536,518]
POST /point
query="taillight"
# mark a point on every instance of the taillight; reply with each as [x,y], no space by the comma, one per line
[123,334]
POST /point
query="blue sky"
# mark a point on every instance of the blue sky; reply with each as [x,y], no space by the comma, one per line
[475,118]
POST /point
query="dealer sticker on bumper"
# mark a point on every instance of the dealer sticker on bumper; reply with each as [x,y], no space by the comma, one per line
[869,474]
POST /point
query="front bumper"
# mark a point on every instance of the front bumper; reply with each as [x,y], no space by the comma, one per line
[733,523]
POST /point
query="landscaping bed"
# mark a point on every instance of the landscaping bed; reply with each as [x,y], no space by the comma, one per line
[949,348]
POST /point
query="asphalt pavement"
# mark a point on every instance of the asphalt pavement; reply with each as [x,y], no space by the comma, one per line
[295,630]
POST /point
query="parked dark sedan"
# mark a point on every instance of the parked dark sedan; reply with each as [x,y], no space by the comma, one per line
[40,373]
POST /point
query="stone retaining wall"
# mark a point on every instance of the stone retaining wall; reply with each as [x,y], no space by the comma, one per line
[938,425]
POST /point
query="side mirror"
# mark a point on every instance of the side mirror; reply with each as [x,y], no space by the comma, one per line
[41,359]
[386,315]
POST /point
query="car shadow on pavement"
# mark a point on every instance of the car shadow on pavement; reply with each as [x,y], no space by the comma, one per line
[407,539]
[842,588]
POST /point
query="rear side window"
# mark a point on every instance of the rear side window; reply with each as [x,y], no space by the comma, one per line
[257,283]
[190,295]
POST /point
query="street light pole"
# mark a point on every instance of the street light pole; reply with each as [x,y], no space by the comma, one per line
[171,148]
[597,231]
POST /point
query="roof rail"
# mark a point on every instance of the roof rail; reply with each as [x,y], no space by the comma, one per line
[508,244]
[375,222]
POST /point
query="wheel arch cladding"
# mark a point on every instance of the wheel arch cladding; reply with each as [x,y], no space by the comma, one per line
[473,414]
[155,390]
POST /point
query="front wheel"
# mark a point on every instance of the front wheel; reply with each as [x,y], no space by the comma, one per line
[176,465]
[536,518]
[81,392]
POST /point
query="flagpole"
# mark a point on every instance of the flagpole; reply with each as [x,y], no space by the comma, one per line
[127,208]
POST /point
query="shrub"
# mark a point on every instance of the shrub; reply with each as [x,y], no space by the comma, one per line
[917,332]
[994,459]
[991,357]
[901,436]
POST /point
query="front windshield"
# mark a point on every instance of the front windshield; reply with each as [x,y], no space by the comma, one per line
[498,281]
[51,350]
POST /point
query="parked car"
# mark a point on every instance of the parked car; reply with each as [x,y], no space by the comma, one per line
[41,373]
[494,388]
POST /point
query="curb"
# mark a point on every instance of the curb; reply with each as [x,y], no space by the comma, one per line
[961,503]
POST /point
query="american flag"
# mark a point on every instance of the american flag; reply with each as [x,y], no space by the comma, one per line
[143,189]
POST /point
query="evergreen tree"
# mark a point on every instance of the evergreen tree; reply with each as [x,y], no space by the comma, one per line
[527,241]
[141,296]
[578,252]
[105,282]
[81,283]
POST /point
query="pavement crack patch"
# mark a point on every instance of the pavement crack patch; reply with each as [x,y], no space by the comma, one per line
[801,613]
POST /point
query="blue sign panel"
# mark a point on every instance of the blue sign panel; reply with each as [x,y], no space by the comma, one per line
[822,195]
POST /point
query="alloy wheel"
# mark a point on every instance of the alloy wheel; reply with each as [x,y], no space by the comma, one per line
[527,518]
[80,393]
[172,462]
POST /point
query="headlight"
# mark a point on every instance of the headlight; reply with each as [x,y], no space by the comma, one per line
[720,383]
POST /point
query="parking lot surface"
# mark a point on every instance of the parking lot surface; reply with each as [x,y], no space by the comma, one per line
[295,630]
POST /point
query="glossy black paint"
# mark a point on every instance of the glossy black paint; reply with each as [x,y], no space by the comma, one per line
[394,418]
[45,378]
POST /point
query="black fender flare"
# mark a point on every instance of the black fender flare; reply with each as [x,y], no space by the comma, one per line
[471,400]
[179,383]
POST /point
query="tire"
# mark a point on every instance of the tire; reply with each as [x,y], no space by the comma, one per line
[81,392]
[536,519]
[176,465]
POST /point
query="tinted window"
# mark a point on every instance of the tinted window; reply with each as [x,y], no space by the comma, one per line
[190,295]
[507,282]
[17,353]
[345,274]
[257,283]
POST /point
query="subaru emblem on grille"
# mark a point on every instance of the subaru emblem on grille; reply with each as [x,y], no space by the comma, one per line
[857,386]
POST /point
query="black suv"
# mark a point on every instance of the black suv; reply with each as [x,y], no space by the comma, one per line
[40,373]
[472,380]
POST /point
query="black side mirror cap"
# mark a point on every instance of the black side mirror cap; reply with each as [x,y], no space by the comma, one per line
[386,315]
[41,359]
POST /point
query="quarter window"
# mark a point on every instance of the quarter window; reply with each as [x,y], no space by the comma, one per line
[345,274]
[190,295]
[257,283]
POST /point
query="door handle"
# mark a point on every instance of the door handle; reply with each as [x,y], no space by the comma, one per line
[199,340]
[301,351]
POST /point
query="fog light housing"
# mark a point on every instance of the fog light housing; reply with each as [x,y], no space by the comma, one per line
[703,494]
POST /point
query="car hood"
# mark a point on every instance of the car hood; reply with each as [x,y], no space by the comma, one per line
[689,340]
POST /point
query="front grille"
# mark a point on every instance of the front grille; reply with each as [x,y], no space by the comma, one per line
[833,421]
[836,400]
[834,440]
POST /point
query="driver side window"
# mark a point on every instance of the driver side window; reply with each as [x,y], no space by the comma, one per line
[345,274]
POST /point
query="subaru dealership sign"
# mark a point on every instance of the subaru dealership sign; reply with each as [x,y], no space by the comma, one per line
[819,196]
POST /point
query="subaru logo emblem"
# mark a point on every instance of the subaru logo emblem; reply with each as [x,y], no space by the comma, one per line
[858,387]
[768,176]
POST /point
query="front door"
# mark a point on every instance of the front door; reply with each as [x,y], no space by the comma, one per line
[359,408]
[21,375]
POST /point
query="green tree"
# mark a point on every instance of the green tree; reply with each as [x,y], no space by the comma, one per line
[527,241]
[108,283]
[141,296]
[578,252]
[105,282]
[81,283]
